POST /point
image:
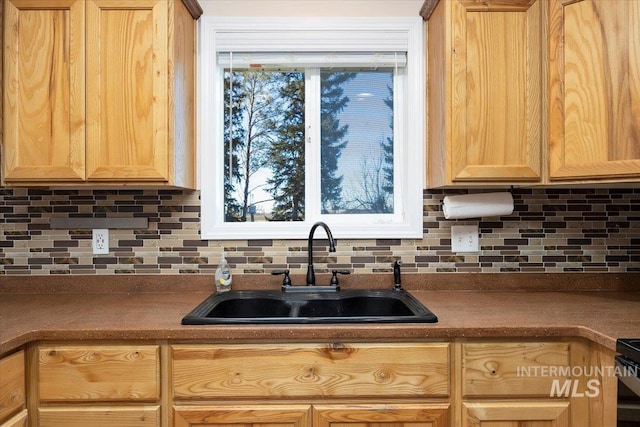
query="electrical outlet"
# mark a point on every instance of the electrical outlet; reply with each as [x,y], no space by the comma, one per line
[464,238]
[100,241]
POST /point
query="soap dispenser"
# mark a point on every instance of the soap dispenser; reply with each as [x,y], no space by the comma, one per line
[223,275]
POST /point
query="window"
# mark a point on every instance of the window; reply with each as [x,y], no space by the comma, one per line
[308,120]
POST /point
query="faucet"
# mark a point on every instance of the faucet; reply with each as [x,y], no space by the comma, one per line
[311,277]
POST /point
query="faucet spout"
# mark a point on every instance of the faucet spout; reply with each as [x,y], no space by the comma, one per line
[311,277]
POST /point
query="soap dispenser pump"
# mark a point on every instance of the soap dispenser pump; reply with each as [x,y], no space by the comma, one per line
[223,275]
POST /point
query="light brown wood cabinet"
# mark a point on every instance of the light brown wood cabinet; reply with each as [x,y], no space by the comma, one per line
[484,91]
[13,390]
[495,372]
[339,384]
[551,383]
[98,385]
[594,90]
[465,382]
[99,92]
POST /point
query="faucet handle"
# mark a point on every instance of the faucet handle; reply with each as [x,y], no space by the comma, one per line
[397,281]
[286,281]
[334,277]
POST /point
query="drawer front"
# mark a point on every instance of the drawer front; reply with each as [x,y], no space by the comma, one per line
[99,373]
[513,369]
[331,370]
[12,388]
[130,416]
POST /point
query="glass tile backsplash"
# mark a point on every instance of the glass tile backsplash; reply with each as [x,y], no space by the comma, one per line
[551,230]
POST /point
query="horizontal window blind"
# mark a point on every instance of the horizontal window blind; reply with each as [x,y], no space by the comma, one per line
[312,59]
[311,35]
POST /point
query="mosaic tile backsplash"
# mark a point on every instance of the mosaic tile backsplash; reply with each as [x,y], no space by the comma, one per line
[551,230]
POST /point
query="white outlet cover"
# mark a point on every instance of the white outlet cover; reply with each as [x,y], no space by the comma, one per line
[100,241]
[464,238]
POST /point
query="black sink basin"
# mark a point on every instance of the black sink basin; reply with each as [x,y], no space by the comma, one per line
[356,306]
[250,307]
[351,306]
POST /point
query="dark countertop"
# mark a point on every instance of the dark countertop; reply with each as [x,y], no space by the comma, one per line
[127,312]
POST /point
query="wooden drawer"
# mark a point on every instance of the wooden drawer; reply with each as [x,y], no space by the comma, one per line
[99,373]
[311,370]
[105,416]
[513,369]
[12,388]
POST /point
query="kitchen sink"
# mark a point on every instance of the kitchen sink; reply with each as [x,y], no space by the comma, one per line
[345,306]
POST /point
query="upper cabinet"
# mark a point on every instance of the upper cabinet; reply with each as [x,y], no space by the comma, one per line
[594,90]
[99,92]
[484,91]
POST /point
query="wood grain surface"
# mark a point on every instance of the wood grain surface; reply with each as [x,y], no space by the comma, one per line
[594,110]
[98,373]
[273,371]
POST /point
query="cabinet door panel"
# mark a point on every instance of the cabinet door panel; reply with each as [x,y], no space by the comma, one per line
[12,385]
[512,369]
[496,91]
[44,91]
[130,416]
[372,415]
[127,75]
[594,95]
[243,416]
[516,414]
[99,373]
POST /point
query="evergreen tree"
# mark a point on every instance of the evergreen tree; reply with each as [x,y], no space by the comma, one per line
[374,193]
[287,155]
[232,124]
[387,151]
[333,135]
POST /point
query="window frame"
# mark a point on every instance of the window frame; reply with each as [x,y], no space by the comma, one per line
[313,34]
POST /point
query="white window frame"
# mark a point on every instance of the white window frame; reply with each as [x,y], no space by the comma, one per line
[314,34]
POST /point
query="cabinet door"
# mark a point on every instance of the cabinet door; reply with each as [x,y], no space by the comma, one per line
[372,415]
[127,85]
[496,91]
[244,415]
[516,414]
[12,385]
[594,85]
[44,91]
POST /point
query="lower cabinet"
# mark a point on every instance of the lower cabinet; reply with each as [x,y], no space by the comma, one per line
[97,385]
[461,383]
[341,385]
[543,383]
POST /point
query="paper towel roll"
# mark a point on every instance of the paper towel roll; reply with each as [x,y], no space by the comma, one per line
[477,205]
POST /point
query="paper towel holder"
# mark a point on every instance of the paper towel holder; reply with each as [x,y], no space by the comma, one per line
[508,190]
[479,194]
